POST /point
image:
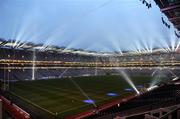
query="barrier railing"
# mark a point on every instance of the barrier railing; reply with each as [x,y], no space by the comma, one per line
[15,111]
[100,108]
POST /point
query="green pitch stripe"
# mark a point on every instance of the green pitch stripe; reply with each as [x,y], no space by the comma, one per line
[50,92]
[92,93]
[26,100]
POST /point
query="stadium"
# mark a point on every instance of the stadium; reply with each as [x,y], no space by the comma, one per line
[90,59]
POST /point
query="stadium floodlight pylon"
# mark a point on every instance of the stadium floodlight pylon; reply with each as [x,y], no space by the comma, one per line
[33,65]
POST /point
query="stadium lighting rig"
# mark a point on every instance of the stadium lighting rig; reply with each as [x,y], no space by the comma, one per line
[52,48]
[148,4]
[177,34]
[170,8]
[165,23]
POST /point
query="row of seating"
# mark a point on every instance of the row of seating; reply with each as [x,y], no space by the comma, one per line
[164,96]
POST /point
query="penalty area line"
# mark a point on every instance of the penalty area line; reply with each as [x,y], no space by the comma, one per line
[30,102]
[73,108]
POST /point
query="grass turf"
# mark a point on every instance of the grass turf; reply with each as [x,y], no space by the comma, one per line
[61,97]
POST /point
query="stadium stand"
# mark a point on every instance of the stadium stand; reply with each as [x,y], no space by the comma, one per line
[19,64]
[160,103]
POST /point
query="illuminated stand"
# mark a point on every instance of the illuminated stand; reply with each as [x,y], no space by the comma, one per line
[33,65]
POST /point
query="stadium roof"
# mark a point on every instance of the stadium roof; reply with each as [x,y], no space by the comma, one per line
[171,8]
[10,44]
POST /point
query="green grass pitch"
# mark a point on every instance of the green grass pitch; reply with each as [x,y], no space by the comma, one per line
[61,97]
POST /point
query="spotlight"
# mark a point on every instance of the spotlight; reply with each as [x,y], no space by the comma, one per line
[152,87]
[175,79]
[165,23]
[177,35]
[162,20]
[143,1]
[149,6]
[169,26]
